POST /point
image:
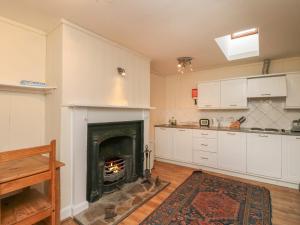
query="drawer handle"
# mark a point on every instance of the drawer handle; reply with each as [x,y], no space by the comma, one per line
[163,128]
[232,105]
[204,158]
[266,94]
[204,145]
[207,105]
[181,130]
[203,134]
[263,135]
[298,138]
[231,133]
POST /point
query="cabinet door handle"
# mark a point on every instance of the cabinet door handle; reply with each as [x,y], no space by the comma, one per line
[204,158]
[204,145]
[263,135]
[230,133]
[266,94]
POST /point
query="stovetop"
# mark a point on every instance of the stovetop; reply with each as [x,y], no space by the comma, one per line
[267,129]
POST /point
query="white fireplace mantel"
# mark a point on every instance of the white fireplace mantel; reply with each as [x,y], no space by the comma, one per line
[85,105]
[74,142]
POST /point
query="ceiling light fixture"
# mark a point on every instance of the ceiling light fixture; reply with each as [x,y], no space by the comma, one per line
[184,64]
[244,33]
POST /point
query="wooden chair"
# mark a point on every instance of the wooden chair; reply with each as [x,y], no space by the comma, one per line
[16,173]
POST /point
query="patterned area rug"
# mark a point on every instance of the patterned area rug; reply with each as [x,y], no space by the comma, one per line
[210,200]
[119,204]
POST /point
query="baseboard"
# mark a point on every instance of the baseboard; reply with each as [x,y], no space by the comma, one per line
[76,209]
[65,213]
[230,173]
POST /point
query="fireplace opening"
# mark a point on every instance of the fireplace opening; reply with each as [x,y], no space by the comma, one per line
[115,156]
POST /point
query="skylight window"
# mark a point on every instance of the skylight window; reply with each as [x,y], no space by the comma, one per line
[239,45]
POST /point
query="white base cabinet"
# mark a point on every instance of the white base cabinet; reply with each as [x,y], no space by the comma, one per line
[291,159]
[264,155]
[232,151]
[270,157]
[164,142]
[183,145]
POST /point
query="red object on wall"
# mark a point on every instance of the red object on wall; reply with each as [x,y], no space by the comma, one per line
[195,95]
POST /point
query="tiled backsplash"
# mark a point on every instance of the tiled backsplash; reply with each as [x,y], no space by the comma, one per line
[261,113]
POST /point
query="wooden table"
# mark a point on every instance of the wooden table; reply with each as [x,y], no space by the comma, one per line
[16,169]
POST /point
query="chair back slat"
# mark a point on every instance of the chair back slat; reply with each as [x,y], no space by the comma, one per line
[24,153]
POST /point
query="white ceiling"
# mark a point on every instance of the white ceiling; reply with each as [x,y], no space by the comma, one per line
[166,29]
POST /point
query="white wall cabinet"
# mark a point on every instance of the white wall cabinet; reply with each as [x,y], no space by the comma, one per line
[264,155]
[291,158]
[209,95]
[183,145]
[273,86]
[232,151]
[293,91]
[234,93]
[164,142]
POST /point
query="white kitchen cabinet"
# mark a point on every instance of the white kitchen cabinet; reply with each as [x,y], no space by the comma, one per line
[183,145]
[293,91]
[209,95]
[291,158]
[164,142]
[202,158]
[232,151]
[234,93]
[264,155]
[273,86]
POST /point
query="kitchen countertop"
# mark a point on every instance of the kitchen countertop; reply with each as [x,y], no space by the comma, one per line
[246,130]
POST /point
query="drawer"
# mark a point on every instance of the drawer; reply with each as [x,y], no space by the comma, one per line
[205,144]
[205,133]
[205,158]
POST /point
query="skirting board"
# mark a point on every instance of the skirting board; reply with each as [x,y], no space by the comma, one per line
[244,176]
[71,211]
[65,213]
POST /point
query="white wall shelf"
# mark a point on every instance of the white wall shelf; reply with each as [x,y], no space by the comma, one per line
[26,89]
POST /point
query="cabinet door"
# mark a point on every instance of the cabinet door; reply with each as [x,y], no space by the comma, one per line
[232,151]
[183,145]
[291,159]
[293,87]
[209,95]
[164,142]
[264,155]
[267,87]
[234,93]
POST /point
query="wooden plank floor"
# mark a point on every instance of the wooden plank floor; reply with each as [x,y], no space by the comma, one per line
[285,201]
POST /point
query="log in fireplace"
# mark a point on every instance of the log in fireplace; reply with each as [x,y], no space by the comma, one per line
[115,156]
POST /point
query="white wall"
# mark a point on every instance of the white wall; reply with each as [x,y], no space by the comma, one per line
[22,56]
[90,71]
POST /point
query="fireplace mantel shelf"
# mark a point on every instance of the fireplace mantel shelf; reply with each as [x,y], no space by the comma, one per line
[107,106]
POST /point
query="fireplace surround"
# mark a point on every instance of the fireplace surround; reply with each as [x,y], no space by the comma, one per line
[114,156]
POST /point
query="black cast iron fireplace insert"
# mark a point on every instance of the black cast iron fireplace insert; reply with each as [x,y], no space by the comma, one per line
[115,156]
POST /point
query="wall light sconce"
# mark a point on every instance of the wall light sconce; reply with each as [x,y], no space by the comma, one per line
[121,71]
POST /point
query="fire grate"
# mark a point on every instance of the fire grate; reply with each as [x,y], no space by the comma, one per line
[114,170]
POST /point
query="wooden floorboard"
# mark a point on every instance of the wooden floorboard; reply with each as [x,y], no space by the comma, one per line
[285,201]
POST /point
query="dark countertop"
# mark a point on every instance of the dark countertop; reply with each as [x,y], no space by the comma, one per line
[246,130]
